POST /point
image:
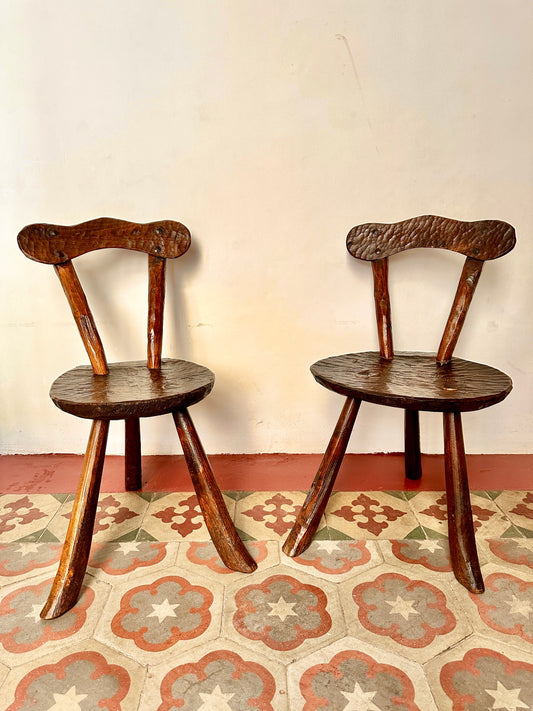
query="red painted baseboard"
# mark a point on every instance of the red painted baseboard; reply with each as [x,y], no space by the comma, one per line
[59,473]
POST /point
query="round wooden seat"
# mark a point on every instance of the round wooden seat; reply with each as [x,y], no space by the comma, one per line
[131,389]
[413,381]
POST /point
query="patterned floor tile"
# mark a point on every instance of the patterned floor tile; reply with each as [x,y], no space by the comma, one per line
[350,674]
[432,554]
[415,618]
[514,552]
[372,514]
[22,515]
[482,674]
[24,635]
[130,558]
[505,610]
[269,515]
[431,511]
[166,614]
[202,557]
[518,506]
[336,560]
[217,676]
[116,515]
[22,560]
[83,676]
[281,615]
[177,516]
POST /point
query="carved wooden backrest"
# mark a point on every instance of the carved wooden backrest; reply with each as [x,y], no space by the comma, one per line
[478,241]
[59,245]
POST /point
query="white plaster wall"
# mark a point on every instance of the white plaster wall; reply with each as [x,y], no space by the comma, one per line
[269,129]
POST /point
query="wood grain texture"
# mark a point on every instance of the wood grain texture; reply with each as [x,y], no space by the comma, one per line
[484,239]
[380,269]
[413,381]
[55,244]
[217,519]
[156,304]
[463,551]
[132,459]
[308,519]
[413,462]
[131,389]
[82,316]
[73,564]
[463,297]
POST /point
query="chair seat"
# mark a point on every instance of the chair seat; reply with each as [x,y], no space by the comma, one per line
[130,389]
[413,381]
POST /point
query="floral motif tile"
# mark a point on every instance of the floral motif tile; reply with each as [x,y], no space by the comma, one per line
[169,613]
[481,673]
[116,515]
[24,635]
[336,560]
[431,510]
[432,554]
[269,515]
[83,676]
[130,558]
[518,506]
[282,614]
[24,560]
[513,552]
[415,617]
[22,515]
[177,516]
[350,674]
[202,557]
[219,675]
[505,610]
[371,514]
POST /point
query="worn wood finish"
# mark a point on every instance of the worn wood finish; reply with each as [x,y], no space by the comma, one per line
[131,389]
[463,296]
[132,460]
[217,519]
[56,244]
[413,381]
[83,316]
[413,463]
[156,304]
[69,578]
[380,269]
[484,239]
[311,512]
[460,524]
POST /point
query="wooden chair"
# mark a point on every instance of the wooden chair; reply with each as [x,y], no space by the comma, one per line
[414,381]
[126,391]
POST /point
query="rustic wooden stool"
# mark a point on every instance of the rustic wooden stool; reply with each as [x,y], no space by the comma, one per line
[126,391]
[415,381]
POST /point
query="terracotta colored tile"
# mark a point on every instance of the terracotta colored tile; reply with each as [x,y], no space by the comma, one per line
[518,507]
[511,552]
[177,517]
[269,515]
[370,515]
[110,561]
[24,514]
[336,560]
[22,561]
[202,557]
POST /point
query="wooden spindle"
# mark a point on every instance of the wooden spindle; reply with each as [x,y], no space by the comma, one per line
[156,303]
[83,316]
[380,269]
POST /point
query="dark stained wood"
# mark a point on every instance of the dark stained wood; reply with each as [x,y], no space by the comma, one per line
[156,304]
[413,464]
[380,269]
[217,519]
[460,524]
[55,244]
[311,512]
[83,316]
[484,239]
[69,578]
[132,460]
[413,381]
[463,296]
[131,389]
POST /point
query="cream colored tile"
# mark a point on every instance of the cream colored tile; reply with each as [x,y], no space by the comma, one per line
[269,515]
[21,515]
[202,557]
[177,517]
[369,515]
[336,560]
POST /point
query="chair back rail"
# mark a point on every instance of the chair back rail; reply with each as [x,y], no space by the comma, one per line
[59,244]
[478,241]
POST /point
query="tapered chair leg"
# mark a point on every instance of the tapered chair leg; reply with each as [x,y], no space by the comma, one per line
[309,516]
[133,469]
[461,535]
[73,564]
[219,524]
[413,466]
